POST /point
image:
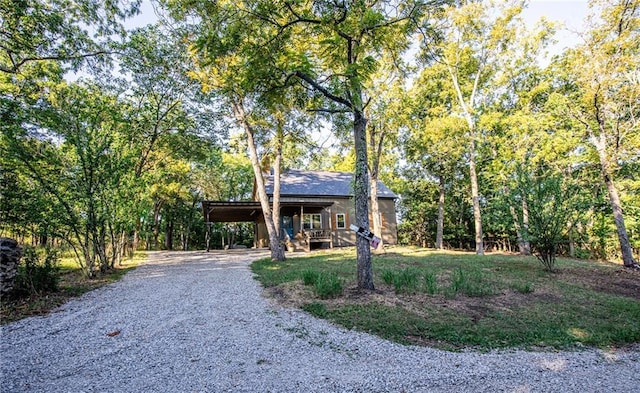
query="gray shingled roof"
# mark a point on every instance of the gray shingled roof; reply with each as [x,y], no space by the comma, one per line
[319,183]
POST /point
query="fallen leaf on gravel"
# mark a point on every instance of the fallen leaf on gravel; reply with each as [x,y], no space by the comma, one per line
[113,333]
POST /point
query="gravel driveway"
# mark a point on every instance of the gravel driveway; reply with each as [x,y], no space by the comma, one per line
[196,322]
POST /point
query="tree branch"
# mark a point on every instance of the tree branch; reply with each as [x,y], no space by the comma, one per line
[16,66]
[324,91]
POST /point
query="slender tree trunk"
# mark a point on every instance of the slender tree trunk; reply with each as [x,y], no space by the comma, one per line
[277,251]
[277,168]
[614,199]
[168,240]
[156,223]
[518,228]
[361,189]
[467,109]
[525,226]
[440,222]
[477,219]
[376,151]
[136,237]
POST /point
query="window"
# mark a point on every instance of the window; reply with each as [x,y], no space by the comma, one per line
[341,221]
[312,221]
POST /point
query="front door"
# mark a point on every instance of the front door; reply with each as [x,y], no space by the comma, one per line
[287,226]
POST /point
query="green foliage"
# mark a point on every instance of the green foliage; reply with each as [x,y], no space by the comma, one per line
[552,202]
[38,272]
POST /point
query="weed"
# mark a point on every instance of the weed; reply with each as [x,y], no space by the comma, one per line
[430,283]
[328,285]
[404,281]
[407,280]
[523,287]
[471,283]
[38,272]
[388,276]
[315,308]
[310,276]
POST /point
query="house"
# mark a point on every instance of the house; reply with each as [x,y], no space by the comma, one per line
[316,210]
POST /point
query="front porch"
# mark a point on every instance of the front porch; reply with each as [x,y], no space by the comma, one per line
[304,226]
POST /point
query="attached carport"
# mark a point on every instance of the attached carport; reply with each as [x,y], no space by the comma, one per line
[215,211]
[219,211]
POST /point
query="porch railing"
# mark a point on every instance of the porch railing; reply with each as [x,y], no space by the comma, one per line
[318,234]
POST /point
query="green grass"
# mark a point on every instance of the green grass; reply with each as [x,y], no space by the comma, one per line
[460,300]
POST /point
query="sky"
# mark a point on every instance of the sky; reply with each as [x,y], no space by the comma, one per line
[570,13]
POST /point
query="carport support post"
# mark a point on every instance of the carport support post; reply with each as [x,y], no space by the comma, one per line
[207,235]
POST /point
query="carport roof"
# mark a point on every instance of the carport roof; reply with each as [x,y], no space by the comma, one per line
[219,211]
[231,211]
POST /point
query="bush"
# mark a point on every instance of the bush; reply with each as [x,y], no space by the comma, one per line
[38,272]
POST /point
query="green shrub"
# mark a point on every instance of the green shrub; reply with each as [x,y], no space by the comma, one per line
[328,285]
[38,272]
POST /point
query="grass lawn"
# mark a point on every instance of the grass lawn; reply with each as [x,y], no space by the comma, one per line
[72,284]
[455,300]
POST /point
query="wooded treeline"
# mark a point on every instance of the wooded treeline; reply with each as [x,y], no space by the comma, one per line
[447,102]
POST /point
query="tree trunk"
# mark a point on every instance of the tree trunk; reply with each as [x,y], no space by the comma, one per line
[518,228]
[525,226]
[440,222]
[156,223]
[168,235]
[277,251]
[477,219]
[616,205]
[361,189]
[467,111]
[277,168]
[376,150]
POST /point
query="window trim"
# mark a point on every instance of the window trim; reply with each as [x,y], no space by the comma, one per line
[311,221]
[344,221]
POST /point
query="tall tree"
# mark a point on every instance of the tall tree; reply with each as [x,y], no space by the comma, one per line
[476,36]
[432,144]
[233,57]
[604,97]
[330,48]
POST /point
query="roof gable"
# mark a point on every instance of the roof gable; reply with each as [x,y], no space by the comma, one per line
[319,183]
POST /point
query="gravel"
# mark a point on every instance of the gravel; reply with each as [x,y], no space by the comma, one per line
[196,322]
